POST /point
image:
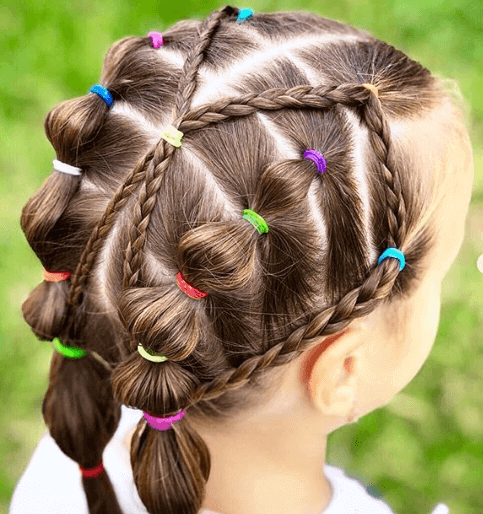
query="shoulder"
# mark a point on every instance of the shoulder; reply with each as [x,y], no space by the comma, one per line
[350,495]
[51,483]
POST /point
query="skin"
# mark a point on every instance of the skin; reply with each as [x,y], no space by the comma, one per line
[271,459]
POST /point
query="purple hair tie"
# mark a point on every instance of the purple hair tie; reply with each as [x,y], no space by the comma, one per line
[318,159]
[156,39]
[162,423]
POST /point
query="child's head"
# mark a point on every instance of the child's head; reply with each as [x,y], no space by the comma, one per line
[250,97]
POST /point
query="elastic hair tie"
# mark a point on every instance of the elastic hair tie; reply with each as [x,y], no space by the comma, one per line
[393,252]
[172,136]
[71,352]
[156,39]
[56,276]
[149,355]
[256,220]
[318,159]
[103,93]
[159,423]
[92,472]
[244,14]
[188,288]
[372,88]
[66,168]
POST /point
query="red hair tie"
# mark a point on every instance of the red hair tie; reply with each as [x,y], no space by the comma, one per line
[188,288]
[92,472]
[56,276]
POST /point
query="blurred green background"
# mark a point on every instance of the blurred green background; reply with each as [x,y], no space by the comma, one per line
[426,446]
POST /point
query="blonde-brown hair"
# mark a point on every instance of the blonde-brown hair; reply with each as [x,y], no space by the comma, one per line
[143,210]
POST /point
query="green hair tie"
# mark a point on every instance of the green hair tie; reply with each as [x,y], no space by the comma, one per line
[150,355]
[71,352]
[256,220]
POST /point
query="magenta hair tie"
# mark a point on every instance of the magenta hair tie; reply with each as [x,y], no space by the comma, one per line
[318,159]
[162,423]
[156,39]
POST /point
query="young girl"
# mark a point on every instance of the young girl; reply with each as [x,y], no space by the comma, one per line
[244,239]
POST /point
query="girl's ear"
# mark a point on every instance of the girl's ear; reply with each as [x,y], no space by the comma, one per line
[334,377]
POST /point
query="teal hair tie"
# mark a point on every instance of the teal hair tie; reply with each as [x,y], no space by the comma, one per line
[256,220]
[150,355]
[393,252]
[71,352]
[103,93]
[244,14]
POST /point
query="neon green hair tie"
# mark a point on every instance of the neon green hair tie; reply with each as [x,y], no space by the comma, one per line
[256,220]
[150,355]
[71,352]
[172,136]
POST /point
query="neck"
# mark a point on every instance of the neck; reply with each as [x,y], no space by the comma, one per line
[255,473]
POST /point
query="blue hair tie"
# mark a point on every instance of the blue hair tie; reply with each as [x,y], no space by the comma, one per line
[103,93]
[393,252]
[244,14]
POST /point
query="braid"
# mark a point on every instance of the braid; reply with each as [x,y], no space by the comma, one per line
[298,97]
[356,303]
[162,156]
[103,227]
[188,82]
[381,144]
[138,174]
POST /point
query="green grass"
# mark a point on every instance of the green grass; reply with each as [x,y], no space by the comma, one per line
[426,445]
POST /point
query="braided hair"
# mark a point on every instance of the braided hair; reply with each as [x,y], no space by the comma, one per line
[249,95]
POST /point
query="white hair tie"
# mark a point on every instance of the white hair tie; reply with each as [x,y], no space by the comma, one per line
[66,168]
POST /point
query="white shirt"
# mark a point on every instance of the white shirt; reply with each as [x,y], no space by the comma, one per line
[52,482]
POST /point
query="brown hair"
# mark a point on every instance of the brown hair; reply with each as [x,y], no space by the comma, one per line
[143,210]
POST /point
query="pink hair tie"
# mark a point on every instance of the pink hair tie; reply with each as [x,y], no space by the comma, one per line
[318,159]
[56,276]
[159,423]
[156,39]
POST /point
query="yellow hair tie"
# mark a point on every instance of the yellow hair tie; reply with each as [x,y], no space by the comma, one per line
[172,136]
[150,355]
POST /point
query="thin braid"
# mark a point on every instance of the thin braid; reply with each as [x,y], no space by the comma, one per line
[187,84]
[103,227]
[380,137]
[298,97]
[142,212]
[154,173]
[359,302]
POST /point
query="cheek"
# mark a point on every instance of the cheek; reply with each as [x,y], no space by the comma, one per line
[398,352]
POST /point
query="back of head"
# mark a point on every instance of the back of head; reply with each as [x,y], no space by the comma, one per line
[250,97]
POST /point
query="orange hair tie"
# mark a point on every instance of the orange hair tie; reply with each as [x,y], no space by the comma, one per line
[56,276]
[188,288]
